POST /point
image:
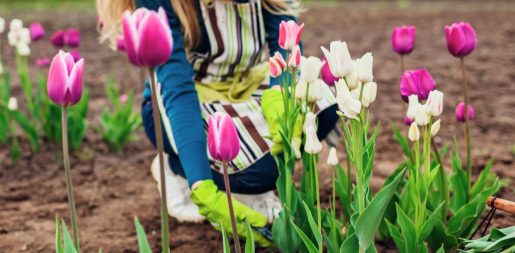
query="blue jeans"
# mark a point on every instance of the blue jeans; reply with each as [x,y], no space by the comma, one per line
[258,178]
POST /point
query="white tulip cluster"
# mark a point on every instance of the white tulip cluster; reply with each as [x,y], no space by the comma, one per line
[309,86]
[421,114]
[19,37]
[356,87]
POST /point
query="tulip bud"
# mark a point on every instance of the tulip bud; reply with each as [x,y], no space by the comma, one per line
[338,58]
[311,120]
[15,25]
[413,133]
[434,103]
[403,39]
[310,69]
[274,67]
[64,83]
[326,74]
[72,37]
[223,141]
[347,104]
[461,39]
[352,78]
[313,145]
[37,31]
[289,34]
[23,49]
[412,107]
[460,112]
[12,104]
[279,58]
[295,144]
[364,69]
[2,25]
[407,121]
[369,93]
[57,39]
[435,127]
[332,158]
[295,57]
[42,62]
[422,118]
[416,82]
[313,90]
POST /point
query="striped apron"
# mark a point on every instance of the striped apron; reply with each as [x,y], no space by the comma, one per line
[236,35]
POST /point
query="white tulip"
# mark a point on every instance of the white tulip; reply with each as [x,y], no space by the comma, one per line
[422,118]
[338,58]
[310,69]
[2,25]
[365,68]
[12,104]
[23,49]
[348,105]
[12,38]
[15,25]
[332,158]
[313,145]
[413,133]
[24,35]
[315,90]
[369,93]
[435,127]
[296,148]
[434,103]
[311,120]
[412,106]
[301,89]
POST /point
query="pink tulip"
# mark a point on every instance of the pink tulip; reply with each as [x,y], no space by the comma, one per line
[280,60]
[223,141]
[294,58]
[408,121]
[75,54]
[416,82]
[461,39]
[274,67]
[327,75]
[120,44]
[57,39]
[403,39]
[65,79]
[124,98]
[37,31]
[42,62]
[289,34]
[72,37]
[460,112]
[148,40]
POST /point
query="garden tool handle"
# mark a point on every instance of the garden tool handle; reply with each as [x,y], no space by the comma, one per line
[501,204]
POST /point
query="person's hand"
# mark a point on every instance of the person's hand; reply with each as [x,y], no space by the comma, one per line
[272,106]
[213,205]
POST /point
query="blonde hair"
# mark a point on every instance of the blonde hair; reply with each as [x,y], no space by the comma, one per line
[110,13]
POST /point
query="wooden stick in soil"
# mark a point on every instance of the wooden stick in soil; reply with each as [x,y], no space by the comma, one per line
[231,210]
[69,184]
[502,204]
[165,244]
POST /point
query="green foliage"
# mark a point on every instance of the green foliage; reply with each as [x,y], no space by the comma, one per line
[63,242]
[143,245]
[118,122]
[498,241]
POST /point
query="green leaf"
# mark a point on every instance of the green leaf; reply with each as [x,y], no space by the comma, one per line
[58,240]
[69,247]
[429,224]
[401,140]
[312,224]
[143,245]
[368,222]
[280,229]
[481,180]
[307,242]
[399,239]
[249,243]
[408,230]
[30,131]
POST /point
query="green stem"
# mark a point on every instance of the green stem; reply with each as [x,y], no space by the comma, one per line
[69,183]
[443,179]
[402,64]
[165,244]
[231,209]
[467,125]
[319,214]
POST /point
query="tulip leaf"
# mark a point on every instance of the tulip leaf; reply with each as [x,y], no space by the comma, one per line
[58,240]
[249,244]
[30,131]
[408,230]
[312,224]
[401,140]
[280,229]
[143,245]
[482,179]
[399,240]
[69,247]
[429,224]
[307,242]
[225,241]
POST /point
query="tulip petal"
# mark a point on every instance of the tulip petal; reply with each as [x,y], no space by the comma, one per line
[152,30]
[75,82]
[282,34]
[212,137]
[229,145]
[68,59]
[456,43]
[130,35]
[57,79]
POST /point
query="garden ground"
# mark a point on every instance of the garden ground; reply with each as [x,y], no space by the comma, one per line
[112,188]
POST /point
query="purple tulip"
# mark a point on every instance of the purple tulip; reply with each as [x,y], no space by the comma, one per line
[223,141]
[57,39]
[37,31]
[403,39]
[75,54]
[460,112]
[461,39]
[120,44]
[42,62]
[416,82]
[327,75]
[408,121]
[72,37]
[64,84]
[148,40]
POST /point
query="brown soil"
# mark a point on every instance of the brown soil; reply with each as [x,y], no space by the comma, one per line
[112,188]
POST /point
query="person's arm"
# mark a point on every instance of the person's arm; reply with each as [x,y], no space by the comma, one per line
[272,22]
[181,101]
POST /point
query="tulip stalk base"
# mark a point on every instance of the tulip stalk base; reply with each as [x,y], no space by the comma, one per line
[467,124]
[231,209]
[69,184]
[159,143]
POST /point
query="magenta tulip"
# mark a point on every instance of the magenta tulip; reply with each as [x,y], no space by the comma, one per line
[223,141]
[403,39]
[42,62]
[460,112]
[461,39]
[72,38]
[408,121]
[64,83]
[148,40]
[416,82]
[75,54]
[327,75]
[289,34]
[57,39]
[120,44]
[37,31]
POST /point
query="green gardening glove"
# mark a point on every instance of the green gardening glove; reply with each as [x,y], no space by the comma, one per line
[213,204]
[272,106]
